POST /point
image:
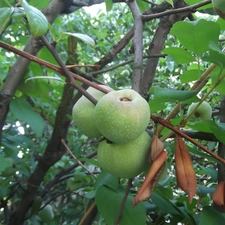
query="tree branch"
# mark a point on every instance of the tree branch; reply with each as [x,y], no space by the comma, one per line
[138,46]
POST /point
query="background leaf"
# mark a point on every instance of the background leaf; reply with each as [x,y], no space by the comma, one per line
[3,163]
[109,201]
[85,38]
[210,216]
[5,17]
[22,110]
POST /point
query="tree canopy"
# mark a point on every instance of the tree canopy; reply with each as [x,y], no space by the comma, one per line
[170,52]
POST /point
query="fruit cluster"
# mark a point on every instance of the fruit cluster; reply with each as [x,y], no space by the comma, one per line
[121,117]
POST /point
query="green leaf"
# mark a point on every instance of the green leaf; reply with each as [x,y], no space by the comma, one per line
[212,172]
[4,163]
[218,129]
[190,75]
[109,5]
[158,104]
[170,2]
[215,55]
[142,5]
[179,55]
[45,77]
[22,110]
[107,179]
[37,20]
[204,190]
[109,201]
[164,204]
[195,35]
[210,216]
[85,38]
[201,126]
[5,18]
[173,94]
[210,126]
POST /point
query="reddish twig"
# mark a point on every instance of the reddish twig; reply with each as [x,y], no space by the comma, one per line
[165,123]
[129,185]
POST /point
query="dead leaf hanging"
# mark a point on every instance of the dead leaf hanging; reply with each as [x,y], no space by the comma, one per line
[157,147]
[218,196]
[152,177]
[185,173]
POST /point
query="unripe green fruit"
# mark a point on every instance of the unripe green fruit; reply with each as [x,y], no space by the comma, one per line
[204,111]
[125,160]
[125,73]
[46,214]
[219,7]
[121,116]
[36,205]
[83,113]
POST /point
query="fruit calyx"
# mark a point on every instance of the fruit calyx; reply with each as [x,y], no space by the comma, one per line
[197,114]
[125,99]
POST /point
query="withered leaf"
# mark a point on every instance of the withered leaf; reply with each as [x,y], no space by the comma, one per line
[218,196]
[151,179]
[157,146]
[185,173]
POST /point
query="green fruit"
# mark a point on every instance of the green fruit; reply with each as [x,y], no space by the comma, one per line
[46,214]
[204,111]
[121,116]
[125,73]
[83,112]
[125,160]
[36,205]
[219,7]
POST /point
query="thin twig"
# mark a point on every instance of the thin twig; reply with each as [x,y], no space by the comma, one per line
[51,66]
[165,123]
[129,185]
[191,8]
[125,63]
[66,71]
[79,162]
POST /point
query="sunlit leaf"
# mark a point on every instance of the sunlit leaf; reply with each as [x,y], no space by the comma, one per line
[109,5]
[36,19]
[215,55]
[5,17]
[173,94]
[179,55]
[170,2]
[45,77]
[85,38]
[195,35]
[189,76]
[143,5]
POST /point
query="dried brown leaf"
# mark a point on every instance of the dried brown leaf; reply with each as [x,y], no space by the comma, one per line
[218,196]
[151,179]
[185,173]
[157,146]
